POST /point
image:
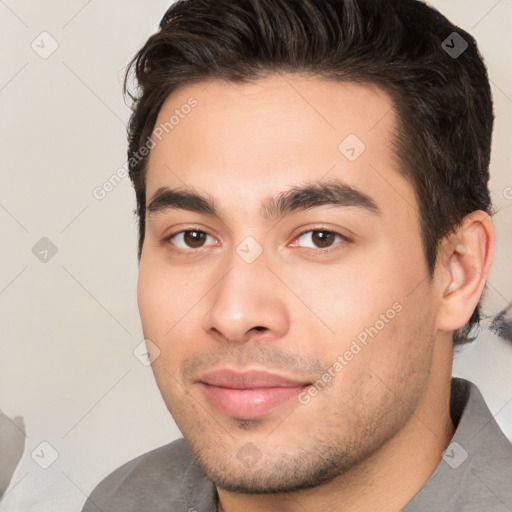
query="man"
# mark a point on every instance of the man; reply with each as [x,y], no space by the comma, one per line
[315,236]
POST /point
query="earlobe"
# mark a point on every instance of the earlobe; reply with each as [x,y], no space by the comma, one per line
[467,258]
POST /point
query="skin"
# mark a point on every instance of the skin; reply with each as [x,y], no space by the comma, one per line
[371,438]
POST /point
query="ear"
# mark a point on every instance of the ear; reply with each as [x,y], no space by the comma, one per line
[465,260]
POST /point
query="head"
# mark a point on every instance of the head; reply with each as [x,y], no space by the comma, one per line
[281,109]
[443,105]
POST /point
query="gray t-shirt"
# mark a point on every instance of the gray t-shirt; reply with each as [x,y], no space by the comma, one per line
[474,474]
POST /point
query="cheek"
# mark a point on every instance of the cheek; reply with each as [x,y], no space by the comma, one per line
[171,311]
[378,323]
[153,298]
[402,349]
[164,296]
[348,297]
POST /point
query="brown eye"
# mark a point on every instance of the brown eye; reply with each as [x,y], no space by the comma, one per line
[320,238]
[188,239]
[194,239]
[323,238]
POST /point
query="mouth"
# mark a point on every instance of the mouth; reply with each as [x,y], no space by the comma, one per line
[249,394]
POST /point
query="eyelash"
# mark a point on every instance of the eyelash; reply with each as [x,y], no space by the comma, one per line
[345,240]
[322,229]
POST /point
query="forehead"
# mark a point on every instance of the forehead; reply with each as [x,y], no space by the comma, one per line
[241,142]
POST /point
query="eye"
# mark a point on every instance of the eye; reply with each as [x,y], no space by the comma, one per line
[321,238]
[188,239]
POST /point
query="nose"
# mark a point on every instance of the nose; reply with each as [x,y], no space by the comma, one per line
[248,303]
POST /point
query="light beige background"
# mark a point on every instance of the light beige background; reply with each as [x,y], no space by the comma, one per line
[69,326]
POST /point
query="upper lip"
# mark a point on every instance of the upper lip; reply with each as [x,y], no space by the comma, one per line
[248,379]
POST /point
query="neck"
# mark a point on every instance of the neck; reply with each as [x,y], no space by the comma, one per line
[391,476]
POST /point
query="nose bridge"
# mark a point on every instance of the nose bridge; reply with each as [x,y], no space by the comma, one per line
[245,297]
[245,285]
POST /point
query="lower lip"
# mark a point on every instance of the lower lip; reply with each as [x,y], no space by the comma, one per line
[249,403]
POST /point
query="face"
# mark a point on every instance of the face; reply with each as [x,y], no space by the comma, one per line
[289,303]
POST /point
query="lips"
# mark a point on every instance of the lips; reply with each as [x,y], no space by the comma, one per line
[248,394]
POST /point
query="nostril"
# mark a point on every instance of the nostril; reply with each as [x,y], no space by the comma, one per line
[259,328]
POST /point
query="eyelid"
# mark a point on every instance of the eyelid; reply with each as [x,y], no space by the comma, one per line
[167,240]
[345,238]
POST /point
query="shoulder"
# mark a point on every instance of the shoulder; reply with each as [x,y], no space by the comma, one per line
[165,476]
[483,455]
[475,471]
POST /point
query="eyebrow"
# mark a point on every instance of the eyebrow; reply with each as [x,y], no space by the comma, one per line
[298,198]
